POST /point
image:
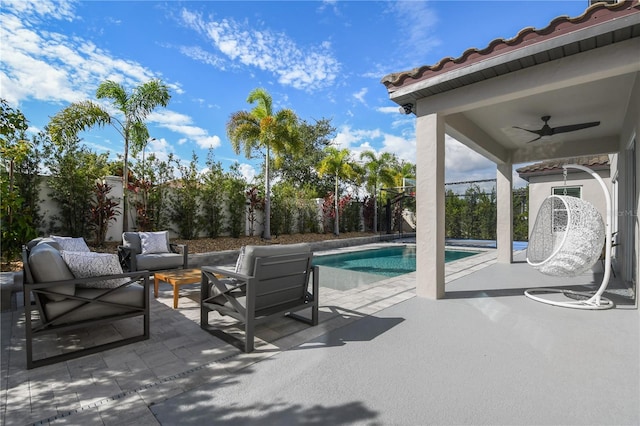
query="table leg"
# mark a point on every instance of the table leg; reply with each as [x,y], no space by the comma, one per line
[176,291]
[156,282]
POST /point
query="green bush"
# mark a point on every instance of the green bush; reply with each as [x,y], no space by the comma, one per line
[234,190]
[184,200]
[212,199]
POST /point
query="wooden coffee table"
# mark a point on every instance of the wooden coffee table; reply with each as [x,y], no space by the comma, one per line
[176,278]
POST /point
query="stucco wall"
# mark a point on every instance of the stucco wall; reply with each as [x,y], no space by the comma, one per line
[49,208]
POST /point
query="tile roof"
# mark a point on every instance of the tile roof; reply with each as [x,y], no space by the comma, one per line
[594,162]
[594,15]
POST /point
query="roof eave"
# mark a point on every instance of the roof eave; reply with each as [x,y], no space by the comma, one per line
[414,81]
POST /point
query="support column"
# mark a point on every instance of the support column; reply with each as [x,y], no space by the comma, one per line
[430,206]
[504,228]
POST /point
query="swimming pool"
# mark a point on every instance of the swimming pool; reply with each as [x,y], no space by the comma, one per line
[386,261]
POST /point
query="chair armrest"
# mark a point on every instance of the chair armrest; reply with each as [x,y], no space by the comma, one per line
[127,258]
[184,249]
[223,272]
[134,276]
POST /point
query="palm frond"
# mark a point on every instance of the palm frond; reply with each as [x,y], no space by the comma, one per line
[77,117]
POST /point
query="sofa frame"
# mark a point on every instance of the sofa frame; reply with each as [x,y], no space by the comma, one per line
[41,325]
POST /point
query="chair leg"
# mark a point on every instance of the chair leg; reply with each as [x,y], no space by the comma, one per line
[249,336]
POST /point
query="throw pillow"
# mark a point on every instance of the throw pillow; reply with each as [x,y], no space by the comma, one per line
[154,242]
[91,264]
[131,240]
[71,244]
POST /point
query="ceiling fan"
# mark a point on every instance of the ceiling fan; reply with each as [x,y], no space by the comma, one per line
[547,130]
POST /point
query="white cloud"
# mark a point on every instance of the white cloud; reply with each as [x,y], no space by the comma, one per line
[301,67]
[464,164]
[389,110]
[59,9]
[403,147]
[160,148]
[183,125]
[416,24]
[247,171]
[209,142]
[199,54]
[462,159]
[359,140]
[53,67]
[361,94]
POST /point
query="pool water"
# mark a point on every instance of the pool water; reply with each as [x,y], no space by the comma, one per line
[388,261]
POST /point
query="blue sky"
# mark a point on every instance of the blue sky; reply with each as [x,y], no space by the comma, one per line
[322,59]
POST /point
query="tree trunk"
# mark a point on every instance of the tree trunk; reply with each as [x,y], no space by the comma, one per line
[336,224]
[375,212]
[125,185]
[266,234]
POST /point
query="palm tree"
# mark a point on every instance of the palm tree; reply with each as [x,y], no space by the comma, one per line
[404,177]
[379,170]
[339,164]
[133,109]
[263,129]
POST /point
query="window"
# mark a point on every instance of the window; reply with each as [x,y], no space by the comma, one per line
[572,191]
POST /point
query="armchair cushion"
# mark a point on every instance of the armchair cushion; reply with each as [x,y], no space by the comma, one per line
[156,261]
[47,265]
[132,296]
[154,242]
[248,254]
[91,264]
[71,244]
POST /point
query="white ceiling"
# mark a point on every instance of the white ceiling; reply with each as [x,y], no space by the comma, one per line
[605,101]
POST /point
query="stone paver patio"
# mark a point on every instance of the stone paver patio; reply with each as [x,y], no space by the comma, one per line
[116,386]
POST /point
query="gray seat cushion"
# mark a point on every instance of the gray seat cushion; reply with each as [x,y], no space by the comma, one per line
[46,265]
[132,295]
[156,261]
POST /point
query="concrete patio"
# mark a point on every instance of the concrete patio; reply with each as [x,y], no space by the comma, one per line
[483,355]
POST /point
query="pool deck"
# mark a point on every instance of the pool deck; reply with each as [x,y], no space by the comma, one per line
[183,375]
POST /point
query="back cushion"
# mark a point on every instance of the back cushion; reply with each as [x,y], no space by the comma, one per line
[47,265]
[247,262]
[70,243]
[48,240]
[154,242]
[132,240]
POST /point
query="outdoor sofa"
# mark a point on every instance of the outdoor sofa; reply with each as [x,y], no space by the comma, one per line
[267,282]
[151,251]
[68,287]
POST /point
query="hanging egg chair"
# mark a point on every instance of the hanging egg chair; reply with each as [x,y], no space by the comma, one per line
[567,240]
[567,237]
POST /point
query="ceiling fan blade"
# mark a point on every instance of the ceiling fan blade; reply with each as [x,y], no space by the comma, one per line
[574,127]
[533,140]
[537,132]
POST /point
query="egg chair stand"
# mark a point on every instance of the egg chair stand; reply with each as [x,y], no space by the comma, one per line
[567,240]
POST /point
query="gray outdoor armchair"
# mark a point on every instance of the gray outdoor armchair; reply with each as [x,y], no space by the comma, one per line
[268,282]
[151,251]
